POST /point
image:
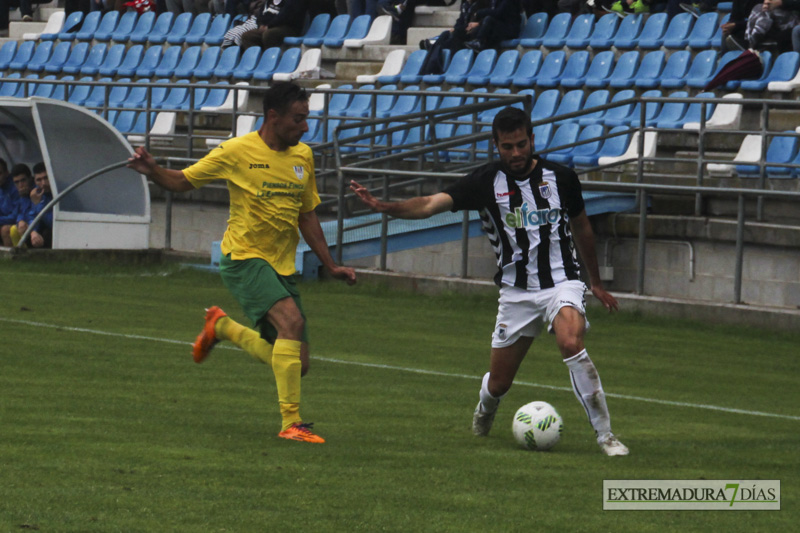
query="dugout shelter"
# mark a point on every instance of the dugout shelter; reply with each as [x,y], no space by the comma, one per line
[111,211]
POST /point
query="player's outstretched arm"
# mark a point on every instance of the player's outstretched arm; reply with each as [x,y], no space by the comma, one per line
[413,208]
[584,240]
[311,229]
[173,180]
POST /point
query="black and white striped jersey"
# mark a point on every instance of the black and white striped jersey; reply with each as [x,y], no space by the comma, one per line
[526,220]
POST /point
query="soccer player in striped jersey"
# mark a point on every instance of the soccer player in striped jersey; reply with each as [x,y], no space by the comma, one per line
[533,213]
[273,194]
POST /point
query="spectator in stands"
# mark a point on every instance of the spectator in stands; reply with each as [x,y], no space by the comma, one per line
[278,19]
[733,30]
[273,196]
[25,9]
[771,24]
[8,203]
[23,181]
[501,20]
[452,39]
[403,15]
[234,7]
[537,220]
[631,6]
[40,196]
[362,7]
[233,37]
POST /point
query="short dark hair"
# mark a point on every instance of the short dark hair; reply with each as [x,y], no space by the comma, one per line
[282,95]
[511,119]
[21,168]
[39,168]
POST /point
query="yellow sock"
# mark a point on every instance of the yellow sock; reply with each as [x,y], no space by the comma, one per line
[247,339]
[15,235]
[286,367]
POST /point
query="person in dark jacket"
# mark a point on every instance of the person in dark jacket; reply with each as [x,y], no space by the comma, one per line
[278,19]
[733,30]
[502,20]
[452,39]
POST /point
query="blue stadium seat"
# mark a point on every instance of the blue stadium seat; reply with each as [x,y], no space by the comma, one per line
[459,66]
[162,28]
[316,30]
[621,113]
[701,71]
[443,130]
[111,63]
[410,70]
[248,61]
[533,30]
[176,34]
[361,104]
[653,33]
[782,149]
[137,97]
[140,127]
[766,60]
[581,32]
[552,68]
[702,34]
[95,58]
[166,65]
[677,35]
[70,23]
[144,24]
[197,31]
[545,104]
[45,90]
[592,131]
[215,97]
[624,70]
[108,23]
[671,113]
[651,110]
[204,68]
[123,120]
[336,31]
[504,69]
[77,94]
[575,71]
[556,35]
[528,68]
[86,28]
[133,60]
[565,134]
[479,71]
[77,57]
[541,136]
[116,94]
[228,60]
[594,99]
[267,63]
[127,22]
[219,26]
[604,30]
[571,102]
[783,69]
[40,56]
[23,55]
[358,30]
[12,88]
[287,63]
[63,53]
[648,75]
[177,97]
[599,72]
[187,64]
[627,35]
[59,91]
[612,147]
[676,70]
[7,52]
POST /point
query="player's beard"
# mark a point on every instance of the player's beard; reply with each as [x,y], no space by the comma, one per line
[524,168]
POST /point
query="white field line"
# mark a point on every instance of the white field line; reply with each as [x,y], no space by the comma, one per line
[415,371]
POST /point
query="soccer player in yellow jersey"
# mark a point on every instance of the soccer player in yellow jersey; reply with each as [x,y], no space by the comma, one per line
[273,193]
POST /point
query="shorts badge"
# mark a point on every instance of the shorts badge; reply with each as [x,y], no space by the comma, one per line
[501,331]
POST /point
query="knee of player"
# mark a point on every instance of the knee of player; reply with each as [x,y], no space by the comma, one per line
[570,346]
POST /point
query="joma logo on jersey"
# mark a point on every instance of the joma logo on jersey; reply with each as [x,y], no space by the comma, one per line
[258,165]
[522,216]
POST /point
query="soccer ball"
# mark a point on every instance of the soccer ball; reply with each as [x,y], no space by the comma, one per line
[537,426]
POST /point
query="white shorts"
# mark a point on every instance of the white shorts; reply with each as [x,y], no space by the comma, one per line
[522,313]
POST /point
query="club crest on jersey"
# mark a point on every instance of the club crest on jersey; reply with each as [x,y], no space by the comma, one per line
[298,171]
[544,190]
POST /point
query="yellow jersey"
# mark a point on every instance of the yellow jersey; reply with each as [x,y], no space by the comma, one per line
[268,191]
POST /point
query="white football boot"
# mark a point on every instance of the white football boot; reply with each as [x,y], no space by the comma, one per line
[482,421]
[611,445]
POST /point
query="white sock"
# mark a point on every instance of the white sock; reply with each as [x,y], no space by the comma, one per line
[589,391]
[489,403]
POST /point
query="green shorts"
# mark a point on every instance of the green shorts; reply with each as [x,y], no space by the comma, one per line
[257,287]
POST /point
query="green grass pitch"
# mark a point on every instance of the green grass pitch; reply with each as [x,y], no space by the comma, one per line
[107,425]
